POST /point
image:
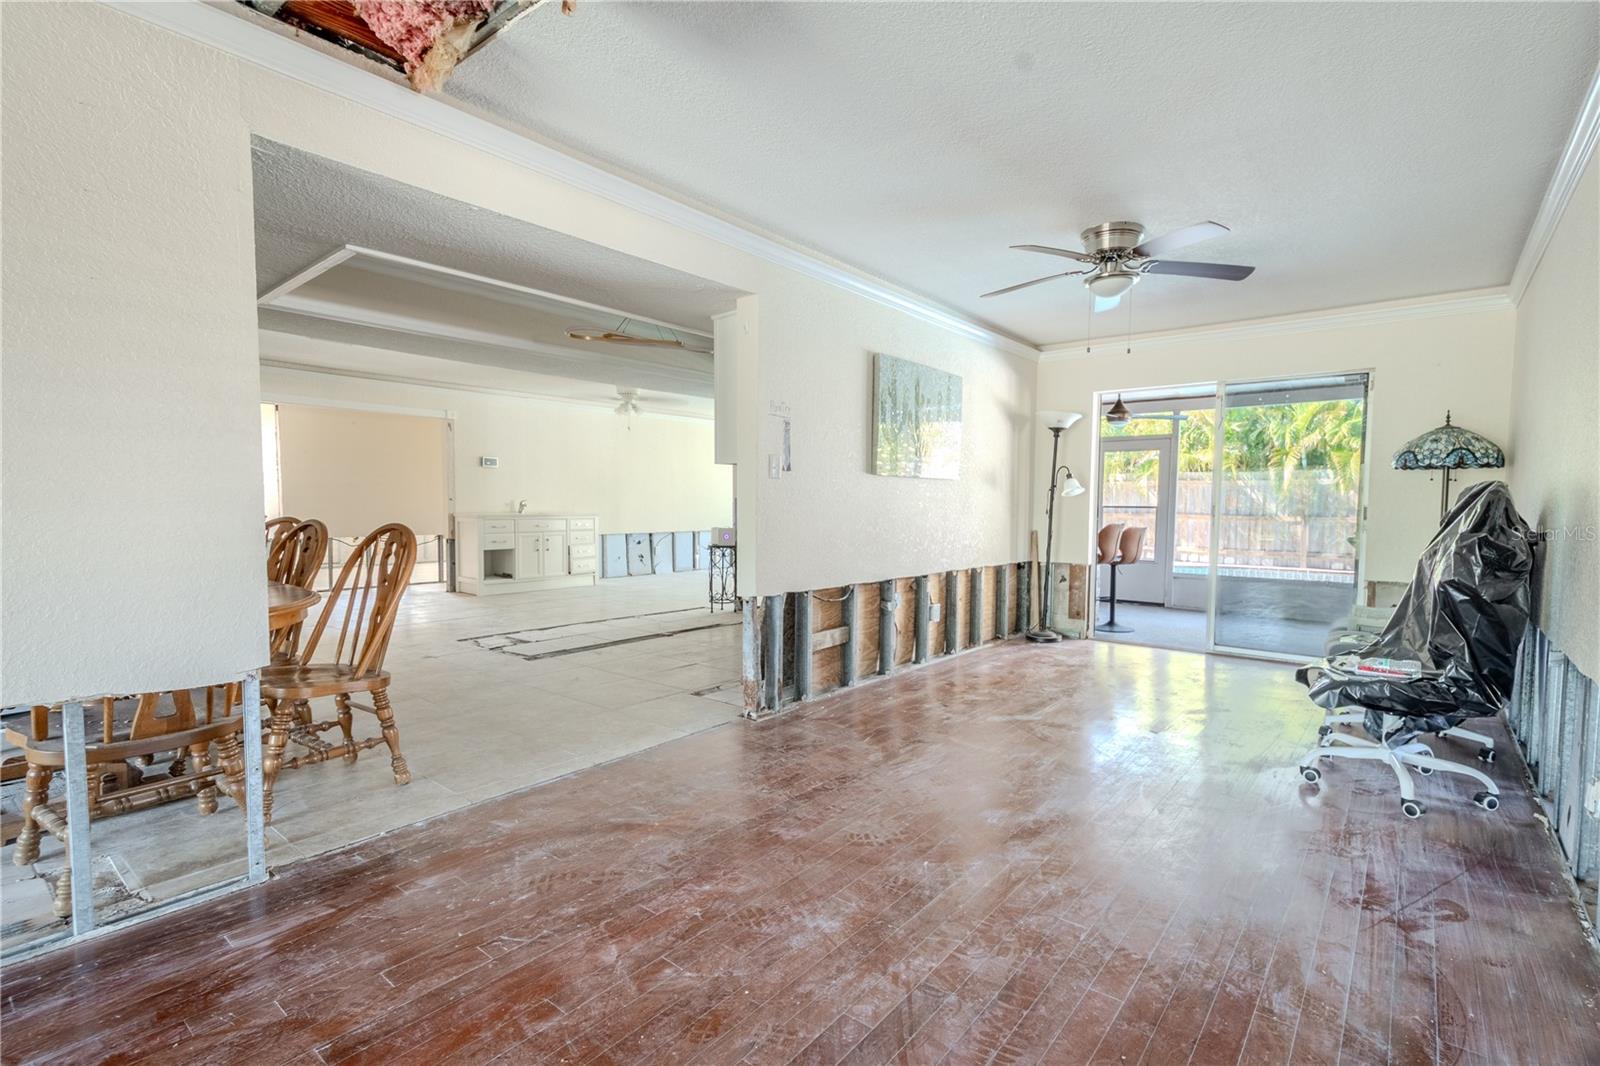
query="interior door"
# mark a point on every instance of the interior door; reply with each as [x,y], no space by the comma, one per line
[1286,512]
[1136,489]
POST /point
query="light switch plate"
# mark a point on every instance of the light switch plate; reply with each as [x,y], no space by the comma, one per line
[773,470]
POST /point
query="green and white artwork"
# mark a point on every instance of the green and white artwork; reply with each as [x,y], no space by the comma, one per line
[917,424]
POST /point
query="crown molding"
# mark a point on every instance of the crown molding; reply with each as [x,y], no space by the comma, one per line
[279,396]
[1569,170]
[1459,303]
[248,40]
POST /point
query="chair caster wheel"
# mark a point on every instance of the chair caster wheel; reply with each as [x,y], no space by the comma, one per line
[1311,774]
[1423,770]
[1487,800]
[1486,755]
[1411,808]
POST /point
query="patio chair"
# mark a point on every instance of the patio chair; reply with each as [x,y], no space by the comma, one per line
[1130,544]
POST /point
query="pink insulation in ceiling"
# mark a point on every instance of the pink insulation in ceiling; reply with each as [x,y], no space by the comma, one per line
[430,35]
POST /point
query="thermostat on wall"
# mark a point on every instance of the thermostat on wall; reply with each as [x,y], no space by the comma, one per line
[489,461]
[721,535]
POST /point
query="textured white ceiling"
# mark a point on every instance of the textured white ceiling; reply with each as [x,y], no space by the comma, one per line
[308,206]
[1360,151]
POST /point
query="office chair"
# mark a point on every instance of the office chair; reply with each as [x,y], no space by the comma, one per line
[1130,544]
[1447,654]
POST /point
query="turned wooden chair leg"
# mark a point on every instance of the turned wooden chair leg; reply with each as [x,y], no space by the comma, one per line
[302,712]
[283,713]
[36,789]
[391,736]
[230,756]
[61,902]
[346,720]
[206,789]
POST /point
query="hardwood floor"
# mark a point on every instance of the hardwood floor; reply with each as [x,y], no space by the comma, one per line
[1084,853]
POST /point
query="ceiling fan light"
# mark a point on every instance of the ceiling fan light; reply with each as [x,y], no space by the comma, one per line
[1111,283]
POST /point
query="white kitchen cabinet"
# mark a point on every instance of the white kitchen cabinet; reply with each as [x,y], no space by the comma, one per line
[517,553]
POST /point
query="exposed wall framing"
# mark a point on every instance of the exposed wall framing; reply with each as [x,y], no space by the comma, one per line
[1555,716]
[838,637]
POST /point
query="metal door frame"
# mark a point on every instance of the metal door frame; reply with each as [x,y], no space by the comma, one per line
[1166,501]
[1363,480]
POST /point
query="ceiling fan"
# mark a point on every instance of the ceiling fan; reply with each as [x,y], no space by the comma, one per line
[1116,255]
[630,402]
[664,338]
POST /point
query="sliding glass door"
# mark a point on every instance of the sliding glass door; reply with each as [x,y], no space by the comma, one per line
[1285,538]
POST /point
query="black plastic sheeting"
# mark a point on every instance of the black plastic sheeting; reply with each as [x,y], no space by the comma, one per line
[1462,618]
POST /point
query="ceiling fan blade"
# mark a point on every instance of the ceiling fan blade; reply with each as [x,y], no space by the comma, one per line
[1081,257]
[1106,303]
[1180,238]
[1035,281]
[1220,271]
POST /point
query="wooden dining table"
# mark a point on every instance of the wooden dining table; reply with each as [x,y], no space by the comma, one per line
[288,604]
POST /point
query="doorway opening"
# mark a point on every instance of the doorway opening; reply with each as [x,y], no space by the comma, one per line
[1249,540]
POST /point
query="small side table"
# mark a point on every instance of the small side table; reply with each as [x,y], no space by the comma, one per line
[721,576]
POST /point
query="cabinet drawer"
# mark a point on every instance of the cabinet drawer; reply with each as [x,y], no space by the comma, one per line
[581,523]
[498,525]
[537,525]
[582,551]
[583,566]
[580,537]
[499,540]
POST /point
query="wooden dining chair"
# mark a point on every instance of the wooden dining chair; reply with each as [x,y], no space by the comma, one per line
[364,602]
[278,528]
[294,558]
[161,723]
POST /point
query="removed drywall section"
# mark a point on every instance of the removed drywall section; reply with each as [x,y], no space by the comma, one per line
[1555,442]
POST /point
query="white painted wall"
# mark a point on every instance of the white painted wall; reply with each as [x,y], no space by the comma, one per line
[1420,367]
[132,550]
[132,556]
[831,520]
[1556,427]
[356,470]
[647,474]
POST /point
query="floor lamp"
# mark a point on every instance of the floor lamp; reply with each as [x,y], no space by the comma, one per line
[1446,448]
[1056,422]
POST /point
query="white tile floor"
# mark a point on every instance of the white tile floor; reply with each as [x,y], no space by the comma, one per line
[491,694]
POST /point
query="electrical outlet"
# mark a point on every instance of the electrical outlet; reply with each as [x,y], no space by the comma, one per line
[935,611]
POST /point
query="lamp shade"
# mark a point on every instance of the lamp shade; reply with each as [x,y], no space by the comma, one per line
[1059,419]
[1449,447]
[1072,487]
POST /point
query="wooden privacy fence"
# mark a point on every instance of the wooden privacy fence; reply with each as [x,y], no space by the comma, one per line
[1307,524]
[802,645]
